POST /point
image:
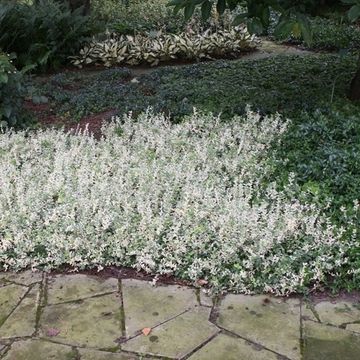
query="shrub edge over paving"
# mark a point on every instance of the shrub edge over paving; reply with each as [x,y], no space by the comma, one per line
[183,199]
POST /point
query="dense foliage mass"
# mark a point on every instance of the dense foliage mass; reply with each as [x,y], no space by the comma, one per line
[183,199]
[293,20]
[330,35]
[44,33]
[11,93]
[287,84]
[136,16]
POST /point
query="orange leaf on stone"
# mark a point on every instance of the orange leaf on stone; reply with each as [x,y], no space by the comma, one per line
[146,331]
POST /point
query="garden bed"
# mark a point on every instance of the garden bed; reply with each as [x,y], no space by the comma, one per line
[188,200]
[241,201]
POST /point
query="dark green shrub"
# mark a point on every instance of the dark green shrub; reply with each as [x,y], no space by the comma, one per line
[151,16]
[334,35]
[138,16]
[45,33]
[329,34]
[11,92]
[322,148]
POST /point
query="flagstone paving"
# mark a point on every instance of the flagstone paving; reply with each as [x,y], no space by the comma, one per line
[83,317]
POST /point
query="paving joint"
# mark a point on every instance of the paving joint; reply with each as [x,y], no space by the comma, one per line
[53,340]
[212,337]
[215,310]
[139,333]
[39,307]
[225,331]
[9,282]
[122,310]
[302,339]
[143,355]
[3,321]
[313,310]
[80,300]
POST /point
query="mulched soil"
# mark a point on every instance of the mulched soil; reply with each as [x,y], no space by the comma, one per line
[48,119]
[124,273]
[130,273]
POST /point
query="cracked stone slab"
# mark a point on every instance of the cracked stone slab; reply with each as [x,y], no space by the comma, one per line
[307,313]
[267,321]
[146,305]
[40,350]
[353,327]
[231,348]
[205,299]
[94,322]
[337,313]
[176,338]
[26,278]
[62,288]
[10,295]
[23,320]
[86,354]
[322,342]
[2,349]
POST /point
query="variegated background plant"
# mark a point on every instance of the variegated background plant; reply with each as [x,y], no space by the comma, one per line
[153,48]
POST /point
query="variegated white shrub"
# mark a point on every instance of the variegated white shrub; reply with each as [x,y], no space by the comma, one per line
[184,199]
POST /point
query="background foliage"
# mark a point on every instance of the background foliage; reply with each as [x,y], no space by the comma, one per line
[45,33]
[12,91]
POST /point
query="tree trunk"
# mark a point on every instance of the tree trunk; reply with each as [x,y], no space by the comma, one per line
[355,85]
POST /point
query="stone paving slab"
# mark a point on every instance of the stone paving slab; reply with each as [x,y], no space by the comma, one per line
[338,312]
[63,288]
[147,306]
[94,322]
[205,299]
[231,348]
[22,321]
[24,278]
[307,311]
[270,322]
[10,296]
[353,327]
[2,349]
[175,338]
[80,317]
[322,342]
[40,350]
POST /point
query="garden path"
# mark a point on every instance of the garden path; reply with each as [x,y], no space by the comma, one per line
[96,317]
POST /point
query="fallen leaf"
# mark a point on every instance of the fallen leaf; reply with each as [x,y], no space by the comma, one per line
[146,331]
[52,332]
[202,282]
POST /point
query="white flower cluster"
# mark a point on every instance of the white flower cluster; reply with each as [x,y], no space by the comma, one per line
[185,199]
